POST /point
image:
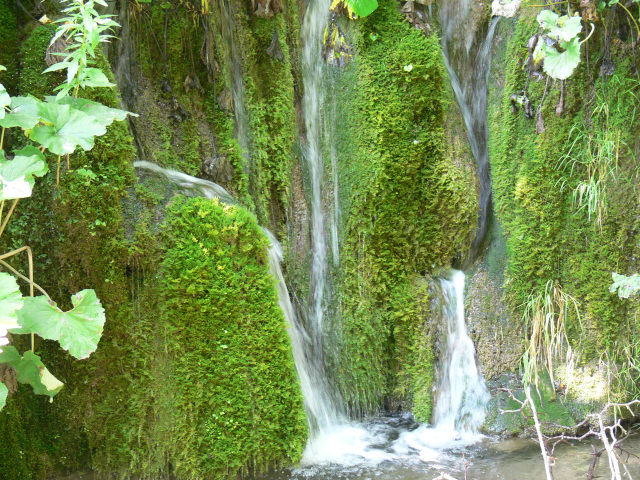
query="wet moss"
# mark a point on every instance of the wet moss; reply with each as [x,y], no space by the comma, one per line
[407,209]
[549,234]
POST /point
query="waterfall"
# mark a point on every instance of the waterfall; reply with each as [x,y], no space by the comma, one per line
[315,398]
[188,183]
[462,393]
[468,63]
[325,412]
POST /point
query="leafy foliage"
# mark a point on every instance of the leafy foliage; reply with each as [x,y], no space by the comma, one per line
[85,29]
[10,301]
[17,175]
[624,285]
[560,32]
[31,371]
[355,8]
[60,124]
[78,330]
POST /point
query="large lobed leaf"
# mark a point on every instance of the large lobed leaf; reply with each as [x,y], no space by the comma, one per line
[4,392]
[103,114]
[10,302]
[63,129]
[362,8]
[17,175]
[5,100]
[560,65]
[23,114]
[77,330]
[559,28]
[31,371]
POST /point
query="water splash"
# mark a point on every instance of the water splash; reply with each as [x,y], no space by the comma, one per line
[462,391]
[459,412]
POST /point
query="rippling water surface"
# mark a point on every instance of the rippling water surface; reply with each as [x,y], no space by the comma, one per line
[395,448]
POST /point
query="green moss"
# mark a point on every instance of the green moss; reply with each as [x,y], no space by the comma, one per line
[407,207]
[203,358]
[8,46]
[547,236]
[270,104]
[414,344]
[32,53]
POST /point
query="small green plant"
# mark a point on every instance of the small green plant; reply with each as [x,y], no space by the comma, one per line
[61,125]
[545,316]
[354,8]
[559,46]
[624,285]
[594,149]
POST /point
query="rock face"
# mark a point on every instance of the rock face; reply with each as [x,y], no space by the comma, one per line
[505,8]
[497,338]
[218,168]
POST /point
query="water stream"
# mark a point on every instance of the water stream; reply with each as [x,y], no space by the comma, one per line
[467,55]
[462,392]
[326,412]
[397,440]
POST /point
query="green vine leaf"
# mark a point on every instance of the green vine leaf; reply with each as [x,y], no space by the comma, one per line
[24,113]
[560,65]
[4,392]
[354,8]
[362,8]
[10,355]
[559,28]
[63,129]
[77,330]
[16,176]
[31,371]
[5,100]
[10,302]
[101,113]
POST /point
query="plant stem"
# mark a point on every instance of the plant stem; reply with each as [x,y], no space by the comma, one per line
[26,279]
[543,448]
[2,138]
[632,18]
[58,173]
[6,220]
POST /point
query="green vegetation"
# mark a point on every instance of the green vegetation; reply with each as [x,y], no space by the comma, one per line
[90,240]
[408,208]
[565,188]
[59,125]
[209,375]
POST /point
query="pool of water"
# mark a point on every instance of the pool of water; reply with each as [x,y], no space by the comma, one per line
[398,449]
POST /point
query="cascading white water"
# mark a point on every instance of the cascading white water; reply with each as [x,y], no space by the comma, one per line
[314,398]
[326,412]
[188,183]
[462,393]
[237,84]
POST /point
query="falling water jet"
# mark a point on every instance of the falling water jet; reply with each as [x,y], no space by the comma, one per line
[468,61]
[462,391]
[329,413]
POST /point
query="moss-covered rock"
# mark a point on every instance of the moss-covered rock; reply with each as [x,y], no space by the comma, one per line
[407,203]
[210,383]
[540,172]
